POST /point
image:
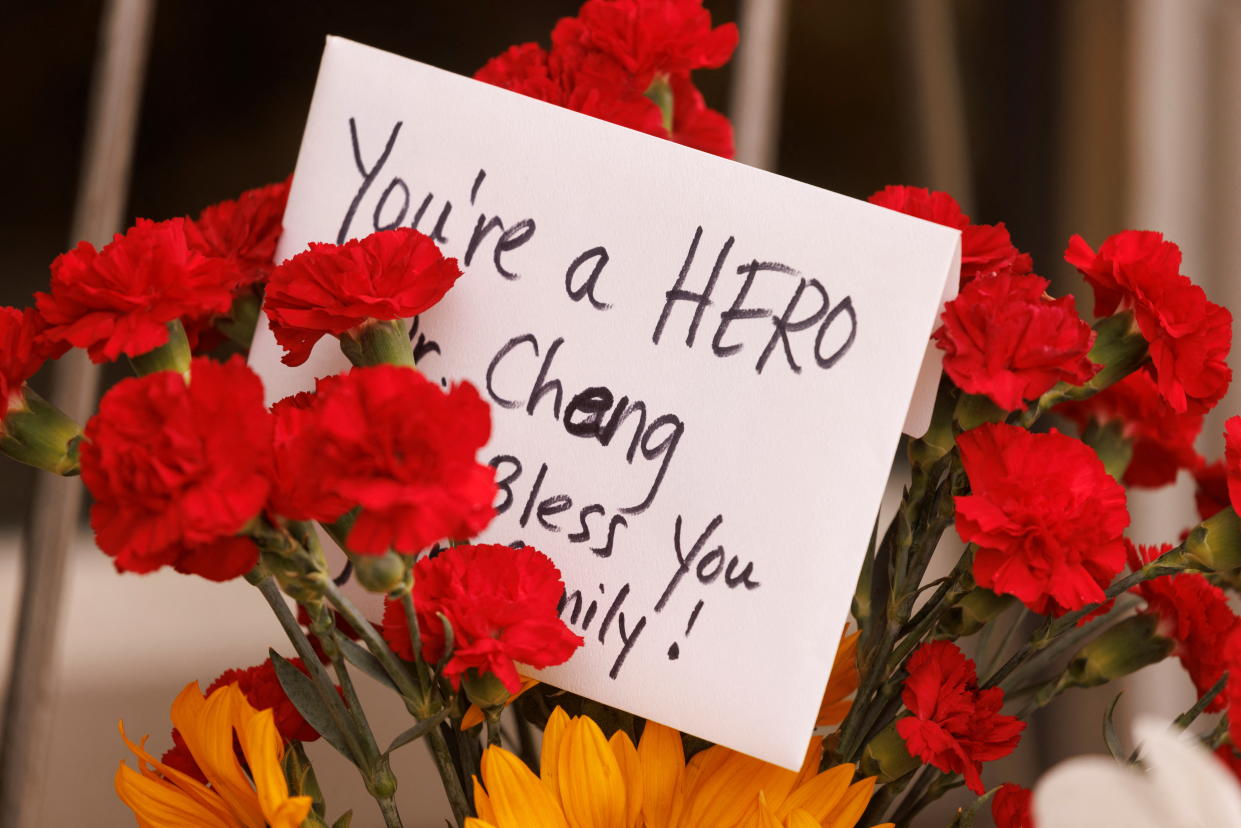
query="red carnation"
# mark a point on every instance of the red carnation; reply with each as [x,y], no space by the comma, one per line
[1194,613]
[262,689]
[503,607]
[1230,758]
[1004,337]
[986,249]
[1232,461]
[955,726]
[22,352]
[1011,807]
[334,289]
[120,299]
[1045,515]
[1210,487]
[389,440]
[696,125]
[1163,440]
[1189,336]
[647,39]
[244,232]
[1232,691]
[177,470]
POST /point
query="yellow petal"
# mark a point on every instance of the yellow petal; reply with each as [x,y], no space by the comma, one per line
[482,802]
[820,795]
[760,816]
[631,772]
[801,819]
[592,786]
[518,798]
[549,758]
[263,746]
[725,792]
[663,775]
[188,785]
[852,805]
[159,804]
[207,726]
[471,822]
[704,765]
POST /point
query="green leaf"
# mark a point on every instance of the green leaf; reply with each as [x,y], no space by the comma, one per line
[304,694]
[417,731]
[362,658]
[345,820]
[1110,738]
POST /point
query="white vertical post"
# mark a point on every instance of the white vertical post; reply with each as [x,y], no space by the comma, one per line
[53,521]
[758,80]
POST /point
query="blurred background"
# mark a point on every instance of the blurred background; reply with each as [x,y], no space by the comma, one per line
[1054,116]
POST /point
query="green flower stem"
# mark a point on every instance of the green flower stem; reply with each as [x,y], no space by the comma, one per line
[323,683]
[415,640]
[419,705]
[387,807]
[492,716]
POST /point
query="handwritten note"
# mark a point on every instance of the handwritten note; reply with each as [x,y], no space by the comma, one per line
[698,374]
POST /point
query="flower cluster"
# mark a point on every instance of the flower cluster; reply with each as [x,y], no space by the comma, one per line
[953,725]
[501,604]
[628,62]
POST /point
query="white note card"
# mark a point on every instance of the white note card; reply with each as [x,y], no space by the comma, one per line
[698,374]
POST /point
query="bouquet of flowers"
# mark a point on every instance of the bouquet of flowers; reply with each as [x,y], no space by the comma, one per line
[189,469]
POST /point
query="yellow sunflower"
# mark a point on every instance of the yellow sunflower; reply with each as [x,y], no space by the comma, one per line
[589,781]
[164,797]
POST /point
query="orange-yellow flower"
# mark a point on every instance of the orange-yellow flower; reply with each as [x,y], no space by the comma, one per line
[589,781]
[841,684]
[163,797]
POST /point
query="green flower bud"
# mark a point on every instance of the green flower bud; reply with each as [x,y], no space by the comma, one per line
[1119,347]
[380,573]
[1123,649]
[975,409]
[173,355]
[1215,544]
[485,690]
[39,434]
[973,612]
[886,756]
[925,451]
[1109,442]
[378,343]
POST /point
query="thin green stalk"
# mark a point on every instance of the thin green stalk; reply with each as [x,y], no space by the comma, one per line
[1053,628]
[415,639]
[493,727]
[322,681]
[448,775]
[392,819]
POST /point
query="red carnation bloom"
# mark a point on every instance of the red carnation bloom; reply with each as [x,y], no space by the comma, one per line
[1189,336]
[333,289]
[1211,487]
[647,39]
[1011,807]
[986,249]
[244,232]
[1045,515]
[503,607]
[1230,758]
[696,125]
[1163,440]
[1194,613]
[177,470]
[955,726]
[389,440]
[262,689]
[22,352]
[1232,461]
[1004,337]
[120,300]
